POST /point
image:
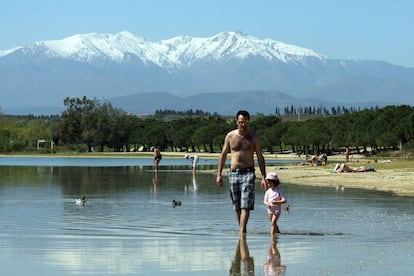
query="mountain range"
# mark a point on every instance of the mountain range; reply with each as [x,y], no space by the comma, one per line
[222,73]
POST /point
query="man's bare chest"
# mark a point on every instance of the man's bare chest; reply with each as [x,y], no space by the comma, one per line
[241,143]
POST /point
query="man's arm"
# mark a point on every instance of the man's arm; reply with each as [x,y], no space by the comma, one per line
[261,161]
[222,160]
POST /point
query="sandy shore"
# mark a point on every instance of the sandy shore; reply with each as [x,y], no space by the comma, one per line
[397,181]
[396,177]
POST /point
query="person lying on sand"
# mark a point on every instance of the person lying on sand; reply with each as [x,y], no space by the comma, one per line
[318,159]
[315,160]
[340,168]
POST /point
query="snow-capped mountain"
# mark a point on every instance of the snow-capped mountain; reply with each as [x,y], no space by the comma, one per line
[184,50]
[180,51]
[108,66]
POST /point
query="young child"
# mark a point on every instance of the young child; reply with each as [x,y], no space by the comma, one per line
[273,199]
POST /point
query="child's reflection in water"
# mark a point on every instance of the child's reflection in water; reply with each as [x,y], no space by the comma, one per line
[273,265]
[243,263]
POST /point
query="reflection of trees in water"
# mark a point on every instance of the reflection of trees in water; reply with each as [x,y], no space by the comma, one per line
[29,175]
[112,181]
[102,180]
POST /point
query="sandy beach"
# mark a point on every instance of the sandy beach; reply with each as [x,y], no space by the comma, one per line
[397,181]
[395,176]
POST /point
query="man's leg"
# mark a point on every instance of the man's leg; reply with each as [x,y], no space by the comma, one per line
[243,219]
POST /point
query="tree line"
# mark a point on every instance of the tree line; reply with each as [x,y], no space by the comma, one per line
[319,110]
[88,125]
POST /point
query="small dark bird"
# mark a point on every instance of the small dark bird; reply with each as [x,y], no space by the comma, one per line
[286,208]
[176,203]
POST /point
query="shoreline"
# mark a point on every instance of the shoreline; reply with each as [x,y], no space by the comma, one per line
[395,181]
[392,176]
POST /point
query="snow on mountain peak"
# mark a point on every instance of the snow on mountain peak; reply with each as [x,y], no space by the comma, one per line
[178,51]
[8,52]
[227,45]
[84,47]
[87,47]
[247,44]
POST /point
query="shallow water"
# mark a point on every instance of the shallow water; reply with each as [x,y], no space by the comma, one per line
[129,226]
[83,161]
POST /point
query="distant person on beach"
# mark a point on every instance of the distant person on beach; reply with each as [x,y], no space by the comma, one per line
[194,160]
[273,200]
[347,153]
[242,144]
[318,160]
[341,168]
[157,157]
[315,160]
[324,159]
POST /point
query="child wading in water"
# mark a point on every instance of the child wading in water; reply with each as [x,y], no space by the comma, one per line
[273,199]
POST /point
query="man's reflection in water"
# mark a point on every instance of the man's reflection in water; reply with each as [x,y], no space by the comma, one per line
[242,264]
[155,183]
[273,265]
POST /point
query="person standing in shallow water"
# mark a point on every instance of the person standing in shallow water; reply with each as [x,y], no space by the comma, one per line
[242,144]
[194,160]
[273,199]
[157,158]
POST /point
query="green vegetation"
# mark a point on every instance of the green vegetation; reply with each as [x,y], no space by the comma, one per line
[88,125]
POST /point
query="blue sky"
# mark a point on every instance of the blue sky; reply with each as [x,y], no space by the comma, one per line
[347,29]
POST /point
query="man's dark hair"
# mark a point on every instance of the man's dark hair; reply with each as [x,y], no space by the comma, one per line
[244,113]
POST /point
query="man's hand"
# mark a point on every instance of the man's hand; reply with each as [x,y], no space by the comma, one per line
[219,180]
[264,183]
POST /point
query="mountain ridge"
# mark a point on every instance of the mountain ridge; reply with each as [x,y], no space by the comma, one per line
[108,66]
[86,47]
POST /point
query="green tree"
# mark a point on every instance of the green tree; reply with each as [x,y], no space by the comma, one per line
[270,131]
[154,133]
[180,131]
[71,128]
[4,140]
[294,136]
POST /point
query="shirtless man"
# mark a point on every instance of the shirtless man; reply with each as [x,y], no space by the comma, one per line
[242,144]
[157,158]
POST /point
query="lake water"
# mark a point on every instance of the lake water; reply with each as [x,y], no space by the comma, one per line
[128,225]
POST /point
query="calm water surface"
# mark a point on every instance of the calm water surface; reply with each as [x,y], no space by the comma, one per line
[129,227]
